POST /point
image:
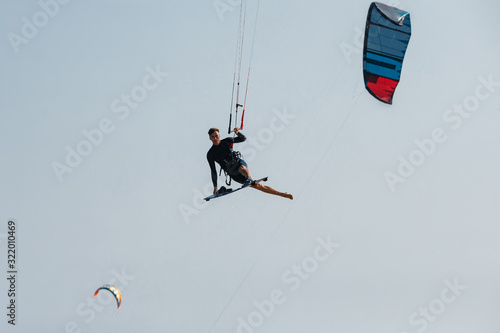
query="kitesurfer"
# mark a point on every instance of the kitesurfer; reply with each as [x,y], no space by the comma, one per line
[231,162]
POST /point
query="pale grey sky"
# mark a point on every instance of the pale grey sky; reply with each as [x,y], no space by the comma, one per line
[130,212]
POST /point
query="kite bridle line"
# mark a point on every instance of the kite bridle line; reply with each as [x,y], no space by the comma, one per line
[237,66]
[250,63]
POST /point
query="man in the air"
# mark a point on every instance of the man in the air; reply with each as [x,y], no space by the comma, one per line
[230,161]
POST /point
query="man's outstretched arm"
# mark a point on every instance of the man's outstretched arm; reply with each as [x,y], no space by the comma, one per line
[213,172]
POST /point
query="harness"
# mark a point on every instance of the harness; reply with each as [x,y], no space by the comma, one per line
[231,165]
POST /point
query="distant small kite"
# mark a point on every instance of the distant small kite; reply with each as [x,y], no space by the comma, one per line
[114,291]
[387,34]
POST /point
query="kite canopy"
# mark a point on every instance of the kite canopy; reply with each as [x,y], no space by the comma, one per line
[114,291]
[387,34]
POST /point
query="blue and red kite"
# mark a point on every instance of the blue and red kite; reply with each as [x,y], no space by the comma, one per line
[387,34]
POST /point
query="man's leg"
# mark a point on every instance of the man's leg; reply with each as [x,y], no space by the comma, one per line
[270,190]
[244,171]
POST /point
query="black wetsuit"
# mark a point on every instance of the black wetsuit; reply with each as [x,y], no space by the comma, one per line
[221,154]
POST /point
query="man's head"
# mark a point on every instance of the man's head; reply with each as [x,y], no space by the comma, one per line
[214,136]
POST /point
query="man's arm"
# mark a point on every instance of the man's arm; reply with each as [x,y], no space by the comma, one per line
[213,171]
[239,136]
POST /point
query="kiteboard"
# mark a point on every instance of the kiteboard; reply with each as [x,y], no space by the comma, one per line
[226,191]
